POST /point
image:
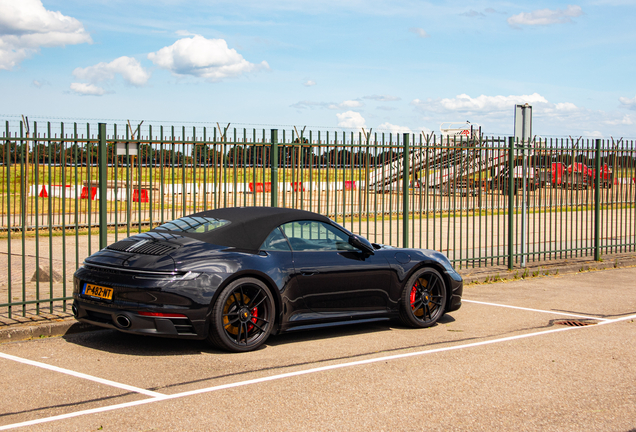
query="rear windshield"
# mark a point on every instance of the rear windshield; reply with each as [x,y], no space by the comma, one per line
[193,224]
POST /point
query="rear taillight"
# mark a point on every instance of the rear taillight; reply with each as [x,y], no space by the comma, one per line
[162,315]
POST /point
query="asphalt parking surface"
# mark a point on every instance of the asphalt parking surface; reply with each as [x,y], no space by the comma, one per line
[502,362]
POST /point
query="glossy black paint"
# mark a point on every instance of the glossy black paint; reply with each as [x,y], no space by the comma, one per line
[310,288]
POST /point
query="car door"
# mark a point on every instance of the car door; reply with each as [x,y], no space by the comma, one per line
[333,277]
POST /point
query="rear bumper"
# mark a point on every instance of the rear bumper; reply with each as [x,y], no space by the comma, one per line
[192,326]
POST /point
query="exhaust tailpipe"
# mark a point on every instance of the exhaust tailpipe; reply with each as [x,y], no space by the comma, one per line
[122,321]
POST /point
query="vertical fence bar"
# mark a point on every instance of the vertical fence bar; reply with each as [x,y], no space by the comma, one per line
[24,152]
[50,213]
[274,167]
[597,202]
[7,147]
[405,190]
[36,174]
[511,204]
[103,183]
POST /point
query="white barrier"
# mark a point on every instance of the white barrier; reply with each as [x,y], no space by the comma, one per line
[44,191]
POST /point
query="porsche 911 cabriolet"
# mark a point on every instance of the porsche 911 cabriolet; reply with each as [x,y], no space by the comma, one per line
[235,276]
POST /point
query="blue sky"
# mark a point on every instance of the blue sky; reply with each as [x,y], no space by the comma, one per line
[393,66]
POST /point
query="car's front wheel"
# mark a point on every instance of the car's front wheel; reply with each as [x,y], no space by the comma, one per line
[423,298]
[242,316]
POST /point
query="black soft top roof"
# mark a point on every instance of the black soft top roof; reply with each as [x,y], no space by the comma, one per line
[249,226]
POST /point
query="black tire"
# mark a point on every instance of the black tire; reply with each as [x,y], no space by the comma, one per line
[423,299]
[242,316]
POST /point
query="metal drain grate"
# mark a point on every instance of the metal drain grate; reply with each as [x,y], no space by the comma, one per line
[576,323]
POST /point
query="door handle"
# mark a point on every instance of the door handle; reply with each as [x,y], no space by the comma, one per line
[308,273]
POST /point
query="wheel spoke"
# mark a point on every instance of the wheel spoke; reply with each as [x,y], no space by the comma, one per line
[427,311]
[236,300]
[238,335]
[259,327]
[431,283]
[242,295]
[232,321]
[258,304]
[250,306]
[417,304]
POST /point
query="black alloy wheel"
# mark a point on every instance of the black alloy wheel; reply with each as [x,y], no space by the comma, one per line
[242,316]
[423,298]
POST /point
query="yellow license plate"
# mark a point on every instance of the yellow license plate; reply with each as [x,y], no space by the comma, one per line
[98,291]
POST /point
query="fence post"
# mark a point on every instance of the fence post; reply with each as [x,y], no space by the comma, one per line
[405,191]
[102,164]
[511,203]
[274,166]
[597,203]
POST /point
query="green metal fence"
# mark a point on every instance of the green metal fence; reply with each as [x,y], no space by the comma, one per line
[68,191]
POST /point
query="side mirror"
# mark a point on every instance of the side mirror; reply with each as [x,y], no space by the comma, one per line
[361,243]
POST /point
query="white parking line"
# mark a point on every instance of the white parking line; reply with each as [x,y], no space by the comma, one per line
[81,375]
[536,310]
[299,373]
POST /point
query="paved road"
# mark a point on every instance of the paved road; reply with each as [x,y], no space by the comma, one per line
[484,367]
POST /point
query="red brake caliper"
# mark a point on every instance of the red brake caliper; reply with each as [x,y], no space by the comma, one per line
[412,298]
[254,313]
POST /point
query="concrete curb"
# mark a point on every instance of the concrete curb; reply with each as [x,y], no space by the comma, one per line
[492,274]
[22,332]
[61,327]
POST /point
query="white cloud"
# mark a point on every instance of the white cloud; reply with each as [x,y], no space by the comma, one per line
[419,31]
[496,114]
[594,134]
[129,68]
[626,120]
[546,16]
[565,106]
[382,98]
[40,83]
[305,104]
[395,129]
[473,14]
[309,83]
[346,104]
[210,59]
[87,89]
[351,120]
[26,26]
[629,103]
[480,104]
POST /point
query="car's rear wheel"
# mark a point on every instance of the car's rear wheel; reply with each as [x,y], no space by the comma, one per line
[242,316]
[423,298]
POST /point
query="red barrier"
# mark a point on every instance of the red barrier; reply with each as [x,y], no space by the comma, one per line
[580,168]
[350,185]
[296,186]
[260,187]
[144,195]
[84,194]
[558,169]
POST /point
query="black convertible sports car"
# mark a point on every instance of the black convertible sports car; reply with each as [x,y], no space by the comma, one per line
[234,276]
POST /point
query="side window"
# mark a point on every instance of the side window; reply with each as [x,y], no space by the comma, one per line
[316,236]
[276,241]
